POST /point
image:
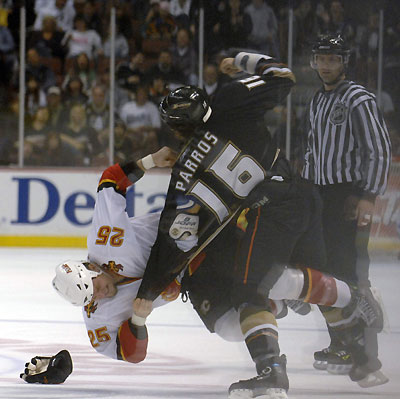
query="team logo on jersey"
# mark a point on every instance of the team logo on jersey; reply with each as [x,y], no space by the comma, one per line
[112,267]
[338,114]
[91,308]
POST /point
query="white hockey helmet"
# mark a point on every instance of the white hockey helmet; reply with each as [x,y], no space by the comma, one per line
[73,281]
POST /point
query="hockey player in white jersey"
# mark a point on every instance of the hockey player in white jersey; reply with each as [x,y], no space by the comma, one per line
[107,282]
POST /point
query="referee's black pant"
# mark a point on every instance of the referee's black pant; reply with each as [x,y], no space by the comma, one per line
[346,244]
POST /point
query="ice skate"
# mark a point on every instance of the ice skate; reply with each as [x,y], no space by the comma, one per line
[334,360]
[271,383]
[321,359]
[339,362]
[367,377]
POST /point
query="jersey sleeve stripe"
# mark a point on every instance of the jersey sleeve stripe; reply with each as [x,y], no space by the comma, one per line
[114,176]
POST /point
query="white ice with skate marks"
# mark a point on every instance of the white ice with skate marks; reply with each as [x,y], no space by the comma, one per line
[184,360]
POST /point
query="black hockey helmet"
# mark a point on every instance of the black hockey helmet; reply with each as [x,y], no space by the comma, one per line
[332,43]
[185,108]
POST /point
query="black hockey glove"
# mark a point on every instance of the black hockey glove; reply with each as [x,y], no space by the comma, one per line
[48,370]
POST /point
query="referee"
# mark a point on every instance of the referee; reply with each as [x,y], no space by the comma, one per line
[348,157]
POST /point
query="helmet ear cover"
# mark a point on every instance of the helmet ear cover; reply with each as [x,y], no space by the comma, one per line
[74,282]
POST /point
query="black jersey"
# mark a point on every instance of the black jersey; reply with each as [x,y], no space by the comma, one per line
[218,167]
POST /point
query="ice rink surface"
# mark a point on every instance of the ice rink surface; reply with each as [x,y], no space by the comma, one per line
[184,360]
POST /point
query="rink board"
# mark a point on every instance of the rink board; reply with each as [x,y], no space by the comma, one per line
[54,207]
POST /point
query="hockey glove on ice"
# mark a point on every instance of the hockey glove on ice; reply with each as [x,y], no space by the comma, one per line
[48,370]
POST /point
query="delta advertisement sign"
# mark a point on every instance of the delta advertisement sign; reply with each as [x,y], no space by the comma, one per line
[55,208]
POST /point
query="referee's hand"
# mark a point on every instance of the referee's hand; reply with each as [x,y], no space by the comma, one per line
[365,210]
[359,209]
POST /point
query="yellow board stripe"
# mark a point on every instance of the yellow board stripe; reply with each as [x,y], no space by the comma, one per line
[43,241]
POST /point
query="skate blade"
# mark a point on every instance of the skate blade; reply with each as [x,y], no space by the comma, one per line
[339,369]
[320,365]
[373,379]
[271,393]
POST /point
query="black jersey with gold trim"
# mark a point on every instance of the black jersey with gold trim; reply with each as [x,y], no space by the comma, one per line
[218,167]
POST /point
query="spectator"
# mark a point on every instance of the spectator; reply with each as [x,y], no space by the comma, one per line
[81,40]
[143,122]
[335,21]
[92,17]
[59,152]
[121,44]
[132,73]
[305,26]
[74,93]
[57,110]
[391,74]
[212,18]
[81,67]
[386,105]
[7,56]
[158,90]
[264,33]
[80,135]
[35,137]
[62,10]
[181,10]
[97,110]
[123,145]
[184,56]
[121,96]
[35,98]
[47,41]
[368,37]
[236,25]
[9,128]
[159,23]
[165,68]
[40,126]
[34,67]
[211,82]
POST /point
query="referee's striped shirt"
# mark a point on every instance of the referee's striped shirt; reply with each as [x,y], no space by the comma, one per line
[348,140]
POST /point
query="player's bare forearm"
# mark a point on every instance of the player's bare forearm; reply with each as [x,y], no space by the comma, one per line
[142,307]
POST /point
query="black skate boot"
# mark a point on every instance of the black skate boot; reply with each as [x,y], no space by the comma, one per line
[335,360]
[271,382]
[339,362]
[321,358]
[366,377]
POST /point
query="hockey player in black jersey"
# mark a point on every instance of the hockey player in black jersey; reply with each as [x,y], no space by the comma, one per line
[228,164]
[227,152]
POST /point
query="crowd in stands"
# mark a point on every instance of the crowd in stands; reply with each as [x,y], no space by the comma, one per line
[67,74]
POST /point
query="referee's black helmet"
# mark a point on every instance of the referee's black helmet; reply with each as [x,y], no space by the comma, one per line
[331,43]
[185,108]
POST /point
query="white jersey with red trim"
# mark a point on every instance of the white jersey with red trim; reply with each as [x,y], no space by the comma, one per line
[120,245]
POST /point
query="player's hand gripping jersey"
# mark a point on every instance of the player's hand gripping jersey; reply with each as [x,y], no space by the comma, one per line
[218,167]
[120,245]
